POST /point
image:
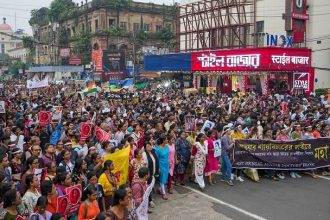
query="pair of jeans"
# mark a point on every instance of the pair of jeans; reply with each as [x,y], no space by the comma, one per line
[226,164]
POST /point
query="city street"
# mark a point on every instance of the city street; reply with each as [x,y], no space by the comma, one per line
[292,199]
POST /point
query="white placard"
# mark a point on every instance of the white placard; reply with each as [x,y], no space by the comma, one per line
[217,148]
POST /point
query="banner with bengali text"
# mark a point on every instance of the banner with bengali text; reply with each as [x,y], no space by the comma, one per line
[282,155]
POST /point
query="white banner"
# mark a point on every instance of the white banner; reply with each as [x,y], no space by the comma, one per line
[37,84]
[142,210]
[2,107]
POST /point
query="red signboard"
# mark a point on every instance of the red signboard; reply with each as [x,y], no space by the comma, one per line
[74,60]
[97,56]
[256,59]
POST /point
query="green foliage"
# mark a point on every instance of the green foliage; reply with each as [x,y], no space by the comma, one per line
[60,9]
[15,66]
[39,16]
[82,46]
[322,91]
[63,38]
[4,59]
[116,4]
[167,37]
[115,31]
[28,42]
[141,37]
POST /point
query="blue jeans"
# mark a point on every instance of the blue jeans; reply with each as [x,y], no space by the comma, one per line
[226,164]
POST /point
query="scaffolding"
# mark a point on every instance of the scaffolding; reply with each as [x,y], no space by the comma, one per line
[215,24]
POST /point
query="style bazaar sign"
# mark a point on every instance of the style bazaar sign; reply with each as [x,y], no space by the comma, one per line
[252,59]
[301,81]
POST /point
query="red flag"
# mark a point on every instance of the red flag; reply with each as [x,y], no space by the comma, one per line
[86,130]
[44,118]
[102,135]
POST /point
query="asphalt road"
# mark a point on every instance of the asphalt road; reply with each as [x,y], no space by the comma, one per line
[288,199]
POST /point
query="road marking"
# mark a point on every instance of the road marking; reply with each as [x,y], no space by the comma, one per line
[323,177]
[247,213]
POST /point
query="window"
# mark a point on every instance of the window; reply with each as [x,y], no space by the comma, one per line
[82,27]
[136,27]
[96,25]
[2,48]
[260,26]
[123,26]
[111,22]
[158,27]
[90,26]
[146,27]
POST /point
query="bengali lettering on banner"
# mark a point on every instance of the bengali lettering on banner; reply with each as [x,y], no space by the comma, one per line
[252,59]
[282,155]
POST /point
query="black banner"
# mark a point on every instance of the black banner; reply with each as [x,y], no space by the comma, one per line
[282,155]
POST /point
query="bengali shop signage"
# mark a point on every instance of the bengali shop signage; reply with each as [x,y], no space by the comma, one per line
[252,59]
[282,155]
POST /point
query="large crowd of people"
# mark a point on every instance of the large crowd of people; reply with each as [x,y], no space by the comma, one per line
[153,125]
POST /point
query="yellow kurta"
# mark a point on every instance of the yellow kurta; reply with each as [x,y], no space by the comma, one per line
[107,186]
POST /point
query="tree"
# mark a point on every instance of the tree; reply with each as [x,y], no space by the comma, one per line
[58,7]
[28,42]
[39,16]
[4,59]
[167,37]
[82,46]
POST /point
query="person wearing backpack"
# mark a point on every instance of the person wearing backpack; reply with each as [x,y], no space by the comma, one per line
[89,208]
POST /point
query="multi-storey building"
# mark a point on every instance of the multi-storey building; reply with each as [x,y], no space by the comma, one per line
[228,24]
[110,29]
[11,42]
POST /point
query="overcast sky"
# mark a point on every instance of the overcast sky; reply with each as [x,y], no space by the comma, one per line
[23,8]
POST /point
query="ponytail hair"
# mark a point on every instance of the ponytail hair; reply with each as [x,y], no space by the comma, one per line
[88,191]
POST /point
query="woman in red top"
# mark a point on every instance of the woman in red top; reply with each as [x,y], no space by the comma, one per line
[212,164]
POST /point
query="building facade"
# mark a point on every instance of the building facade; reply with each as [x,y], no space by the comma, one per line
[11,42]
[104,24]
[217,24]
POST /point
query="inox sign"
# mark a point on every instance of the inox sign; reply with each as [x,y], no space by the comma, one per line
[278,40]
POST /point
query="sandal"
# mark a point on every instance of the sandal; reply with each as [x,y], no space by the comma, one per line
[164,197]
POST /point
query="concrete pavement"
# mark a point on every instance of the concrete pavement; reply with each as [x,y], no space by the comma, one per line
[288,199]
[185,204]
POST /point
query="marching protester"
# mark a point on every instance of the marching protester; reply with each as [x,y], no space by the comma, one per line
[102,153]
[200,160]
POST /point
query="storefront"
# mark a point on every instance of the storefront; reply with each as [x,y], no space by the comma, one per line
[264,70]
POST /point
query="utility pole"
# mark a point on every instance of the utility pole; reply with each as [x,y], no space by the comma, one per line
[133,67]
